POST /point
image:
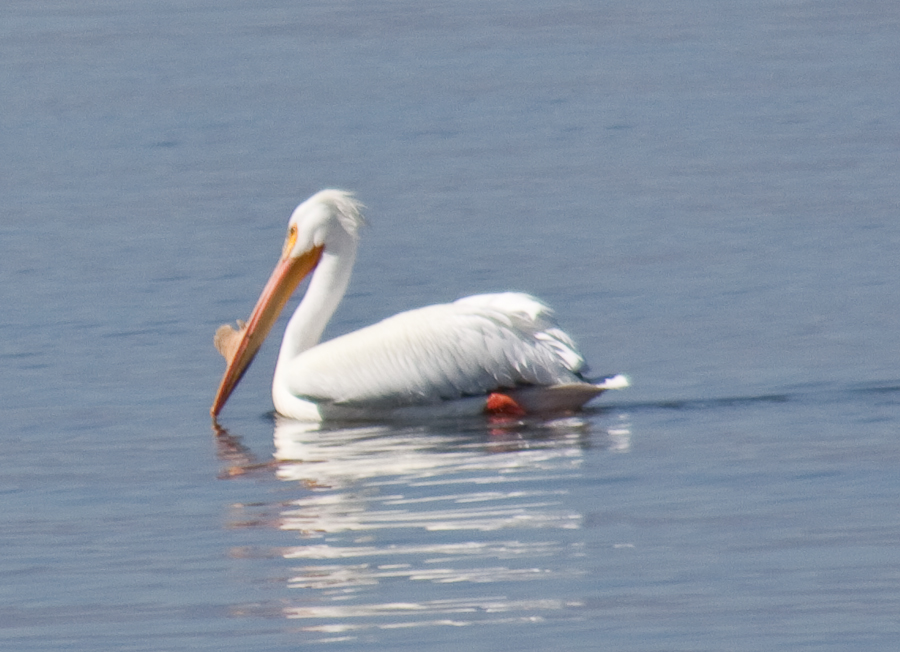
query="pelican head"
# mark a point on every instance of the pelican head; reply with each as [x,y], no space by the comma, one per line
[327,222]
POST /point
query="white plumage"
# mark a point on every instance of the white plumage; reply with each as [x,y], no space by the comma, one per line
[441,359]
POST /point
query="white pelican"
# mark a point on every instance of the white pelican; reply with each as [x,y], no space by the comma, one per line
[487,353]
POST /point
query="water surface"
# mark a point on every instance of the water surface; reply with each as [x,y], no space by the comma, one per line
[706,192]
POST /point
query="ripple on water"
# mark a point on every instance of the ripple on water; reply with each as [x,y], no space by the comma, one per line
[388,515]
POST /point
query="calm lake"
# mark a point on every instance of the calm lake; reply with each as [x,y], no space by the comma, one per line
[708,194]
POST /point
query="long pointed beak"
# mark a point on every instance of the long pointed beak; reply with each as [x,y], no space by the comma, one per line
[240,347]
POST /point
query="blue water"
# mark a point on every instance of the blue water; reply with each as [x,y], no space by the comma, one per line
[706,192]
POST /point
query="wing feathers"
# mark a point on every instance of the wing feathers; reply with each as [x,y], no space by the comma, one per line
[448,351]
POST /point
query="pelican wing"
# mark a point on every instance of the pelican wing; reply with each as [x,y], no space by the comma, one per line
[442,352]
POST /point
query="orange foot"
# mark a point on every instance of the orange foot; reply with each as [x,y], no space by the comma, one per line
[501,404]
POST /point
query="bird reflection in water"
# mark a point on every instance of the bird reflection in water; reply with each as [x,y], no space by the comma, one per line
[420,526]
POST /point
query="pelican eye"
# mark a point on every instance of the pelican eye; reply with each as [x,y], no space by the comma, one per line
[289,241]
